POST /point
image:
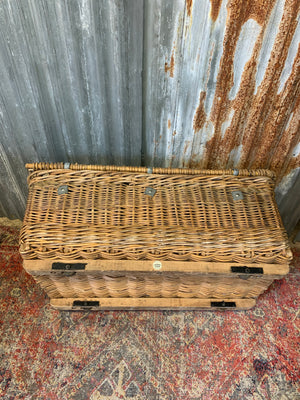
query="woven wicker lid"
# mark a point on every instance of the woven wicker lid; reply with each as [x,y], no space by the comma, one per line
[92,212]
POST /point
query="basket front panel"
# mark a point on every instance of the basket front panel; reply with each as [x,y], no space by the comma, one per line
[167,285]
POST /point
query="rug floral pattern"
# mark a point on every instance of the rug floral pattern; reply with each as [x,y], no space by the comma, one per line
[153,355]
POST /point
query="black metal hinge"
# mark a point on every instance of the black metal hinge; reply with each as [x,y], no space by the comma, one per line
[58,266]
[85,304]
[223,304]
[247,270]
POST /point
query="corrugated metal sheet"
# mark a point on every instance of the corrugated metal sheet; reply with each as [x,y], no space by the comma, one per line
[70,88]
[210,84]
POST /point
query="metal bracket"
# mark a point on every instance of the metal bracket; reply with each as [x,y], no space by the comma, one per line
[58,266]
[223,304]
[86,304]
[150,191]
[247,270]
[63,189]
[237,195]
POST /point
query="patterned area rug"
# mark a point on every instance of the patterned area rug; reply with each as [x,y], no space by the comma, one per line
[153,355]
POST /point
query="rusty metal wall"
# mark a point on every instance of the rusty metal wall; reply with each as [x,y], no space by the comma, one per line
[210,84]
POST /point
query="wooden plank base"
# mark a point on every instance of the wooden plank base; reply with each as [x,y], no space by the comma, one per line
[128,303]
[201,267]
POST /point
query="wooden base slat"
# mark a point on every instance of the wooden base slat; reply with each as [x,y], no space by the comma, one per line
[151,304]
[42,266]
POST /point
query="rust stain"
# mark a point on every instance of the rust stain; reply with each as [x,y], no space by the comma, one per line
[270,111]
[189,5]
[169,124]
[174,133]
[282,160]
[285,104]
[193,163]
[259,119]
[259,10]
[169,68]
[239,11]
[200,115]
[241,105]
[186,146]
[215,8]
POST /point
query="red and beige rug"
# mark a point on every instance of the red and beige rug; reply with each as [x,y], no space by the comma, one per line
[153,355]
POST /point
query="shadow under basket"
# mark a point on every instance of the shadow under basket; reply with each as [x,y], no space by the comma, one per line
[107,237]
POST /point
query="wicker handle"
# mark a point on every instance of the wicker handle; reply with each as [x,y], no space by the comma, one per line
[168,171]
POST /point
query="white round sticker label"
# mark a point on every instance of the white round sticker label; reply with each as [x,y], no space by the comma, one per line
[157,265]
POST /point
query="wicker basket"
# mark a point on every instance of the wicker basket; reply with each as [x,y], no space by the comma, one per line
[123,237]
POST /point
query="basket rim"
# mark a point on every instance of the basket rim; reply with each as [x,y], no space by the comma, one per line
[148,170]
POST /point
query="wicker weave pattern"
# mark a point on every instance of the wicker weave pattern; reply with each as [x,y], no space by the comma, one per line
[144,170]
[151,285]
[191,217]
